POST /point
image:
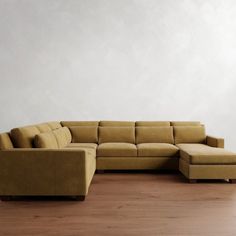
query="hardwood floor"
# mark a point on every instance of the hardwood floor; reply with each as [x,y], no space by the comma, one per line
[129,204]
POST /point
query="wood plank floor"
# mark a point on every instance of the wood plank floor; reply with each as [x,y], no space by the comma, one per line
[129,204]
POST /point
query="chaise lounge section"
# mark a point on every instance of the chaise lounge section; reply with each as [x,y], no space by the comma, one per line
[60,158]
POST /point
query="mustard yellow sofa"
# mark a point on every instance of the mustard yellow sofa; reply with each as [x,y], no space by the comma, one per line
[60,158]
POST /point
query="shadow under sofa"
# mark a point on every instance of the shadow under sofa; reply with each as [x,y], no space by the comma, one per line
[60,158]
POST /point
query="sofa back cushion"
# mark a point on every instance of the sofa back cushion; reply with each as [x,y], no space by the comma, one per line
[46,140]
[152,123]
[117,123]
[84,134]
[116,134]
[189,134]
[63,136]
[44,127]
[5,141]
[154,135]
[23,137]
[54,125]
[185,123]
[79,123]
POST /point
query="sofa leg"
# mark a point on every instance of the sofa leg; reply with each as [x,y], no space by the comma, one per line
[100,171]
[79,198]
[192,181]
[232,181]
[5,198]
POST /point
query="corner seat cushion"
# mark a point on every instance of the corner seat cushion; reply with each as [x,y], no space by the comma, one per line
[204,154]
[157,150]
[117,150]
[82,145]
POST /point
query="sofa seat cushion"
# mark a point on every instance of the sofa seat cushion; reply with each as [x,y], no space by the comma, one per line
[157,150]
[90,151]
[82,145]
[204,154]
[117,149]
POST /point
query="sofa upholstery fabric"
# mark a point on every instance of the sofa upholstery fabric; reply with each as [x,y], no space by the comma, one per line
[152,123]
[63,136]
[46,140]
[157,150]
[215,142]
[116,134]
[79,123]
[54,125]
[45,172]
[23,137]
[185,123]
[154,135]
[117,149]
[189,134]
[44,127]
[5,141]
[82,145]
[204,154]
[117,123]
[84,134]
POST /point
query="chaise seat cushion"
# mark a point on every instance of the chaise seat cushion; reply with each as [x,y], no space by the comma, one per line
[82,145]
[116,150]
[204,154]
[157,150]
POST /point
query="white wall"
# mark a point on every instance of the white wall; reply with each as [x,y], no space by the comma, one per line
[120,60]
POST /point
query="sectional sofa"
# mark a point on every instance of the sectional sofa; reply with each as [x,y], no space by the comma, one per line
[60,158]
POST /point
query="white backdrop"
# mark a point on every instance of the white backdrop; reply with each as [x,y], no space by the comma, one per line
[119,60]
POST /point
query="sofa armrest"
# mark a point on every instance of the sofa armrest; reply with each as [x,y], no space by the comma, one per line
[43,172]
[215,142]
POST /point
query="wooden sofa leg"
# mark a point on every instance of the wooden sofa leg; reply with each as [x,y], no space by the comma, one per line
[192,181]
[5,198]
[79,198]
[232,181]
